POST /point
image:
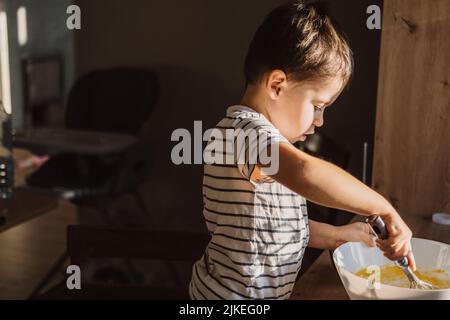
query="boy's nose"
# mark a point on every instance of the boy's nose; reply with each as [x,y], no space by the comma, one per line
[318,121]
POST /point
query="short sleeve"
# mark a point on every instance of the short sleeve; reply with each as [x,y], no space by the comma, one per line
[257,141]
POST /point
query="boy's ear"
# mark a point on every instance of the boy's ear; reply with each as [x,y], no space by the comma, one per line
[275,83]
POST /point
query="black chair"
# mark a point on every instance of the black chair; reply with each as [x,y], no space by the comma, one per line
[115,101]
[93,158]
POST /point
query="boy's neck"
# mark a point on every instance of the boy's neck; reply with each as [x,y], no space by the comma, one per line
[255,99]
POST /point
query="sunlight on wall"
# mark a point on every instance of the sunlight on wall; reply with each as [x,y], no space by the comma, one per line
[4,61]
[22,31]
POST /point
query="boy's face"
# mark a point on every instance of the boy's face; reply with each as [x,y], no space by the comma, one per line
[298,107]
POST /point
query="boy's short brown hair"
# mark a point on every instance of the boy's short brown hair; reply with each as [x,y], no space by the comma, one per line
[302,40]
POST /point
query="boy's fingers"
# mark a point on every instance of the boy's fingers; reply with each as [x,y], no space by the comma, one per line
[393,256]
[394,253]
[392,241]
[378,244]
[384,245]
[400,246]
[400,253]
[396,245]
[412,261]
[365,234]
[389,256]
[367,239]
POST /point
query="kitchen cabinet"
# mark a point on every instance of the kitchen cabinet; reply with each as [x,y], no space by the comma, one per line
[411,164]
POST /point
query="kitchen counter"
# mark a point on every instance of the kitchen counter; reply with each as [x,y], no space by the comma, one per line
[322,282]
[25,204]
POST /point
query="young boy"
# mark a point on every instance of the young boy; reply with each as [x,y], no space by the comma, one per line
[297,65]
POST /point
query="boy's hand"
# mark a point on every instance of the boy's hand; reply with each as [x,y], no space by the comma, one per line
[355,232]
[398,244]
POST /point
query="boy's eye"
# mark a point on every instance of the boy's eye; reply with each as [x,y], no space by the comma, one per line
[317,109]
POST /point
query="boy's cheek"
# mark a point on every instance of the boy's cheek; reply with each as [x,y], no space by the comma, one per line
[289,127]
[294,122]
[306,119]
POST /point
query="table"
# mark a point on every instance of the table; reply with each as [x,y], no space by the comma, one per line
[24,206]
[322,282]
[60,140]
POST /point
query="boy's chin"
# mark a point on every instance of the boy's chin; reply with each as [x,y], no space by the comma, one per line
[301,138]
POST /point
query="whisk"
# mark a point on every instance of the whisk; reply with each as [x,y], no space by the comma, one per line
[379,229]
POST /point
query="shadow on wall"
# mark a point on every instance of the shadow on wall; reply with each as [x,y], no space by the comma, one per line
[170,196]
[167,196]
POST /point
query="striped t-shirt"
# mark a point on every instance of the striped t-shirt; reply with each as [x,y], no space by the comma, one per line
[259,230]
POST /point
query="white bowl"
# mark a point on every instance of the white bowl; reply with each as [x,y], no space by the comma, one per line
[353,256]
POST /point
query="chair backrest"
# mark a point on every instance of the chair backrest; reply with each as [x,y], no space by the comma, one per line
[112,100]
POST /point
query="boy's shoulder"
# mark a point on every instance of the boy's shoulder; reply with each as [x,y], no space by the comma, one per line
[242,112]
[247,119]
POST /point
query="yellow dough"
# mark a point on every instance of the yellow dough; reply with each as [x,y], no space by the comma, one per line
[394,276]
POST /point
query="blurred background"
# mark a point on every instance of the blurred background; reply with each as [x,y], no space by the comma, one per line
[143,69]
[196,50]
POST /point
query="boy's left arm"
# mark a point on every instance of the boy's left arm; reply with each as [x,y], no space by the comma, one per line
[326,236]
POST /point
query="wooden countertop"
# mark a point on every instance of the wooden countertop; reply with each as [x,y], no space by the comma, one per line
[24,206]
[322,282]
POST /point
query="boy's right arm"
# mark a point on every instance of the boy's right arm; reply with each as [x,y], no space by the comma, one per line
[326,184]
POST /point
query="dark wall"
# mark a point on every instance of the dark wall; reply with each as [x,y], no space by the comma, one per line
[351,120]
[197,49]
